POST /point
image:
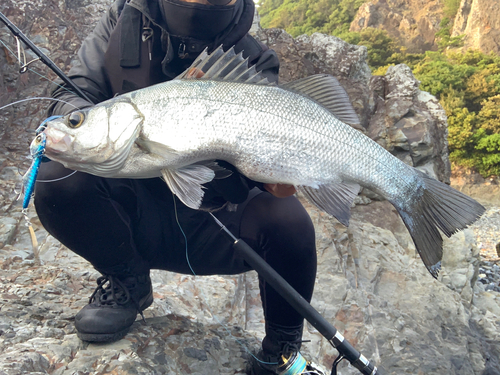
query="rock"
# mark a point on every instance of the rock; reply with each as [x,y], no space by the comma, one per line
[409,123]
[478,21]
[472,183]
[333,55]
[8,228]
[460,264]
[414,23]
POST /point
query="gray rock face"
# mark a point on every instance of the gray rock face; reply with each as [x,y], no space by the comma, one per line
[478,21]
[371,284]
[413,23]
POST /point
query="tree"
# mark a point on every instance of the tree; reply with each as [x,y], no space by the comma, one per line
[437,74]
[309,16]
[489,115]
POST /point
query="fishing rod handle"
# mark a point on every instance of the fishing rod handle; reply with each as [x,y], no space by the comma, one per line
[305,309]
[354,357]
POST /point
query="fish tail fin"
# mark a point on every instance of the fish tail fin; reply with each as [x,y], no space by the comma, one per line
[439,207]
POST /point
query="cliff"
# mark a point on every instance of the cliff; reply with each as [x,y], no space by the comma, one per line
[479,21]
[414,23]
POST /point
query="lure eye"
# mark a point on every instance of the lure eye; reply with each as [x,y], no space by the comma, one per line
[75,119]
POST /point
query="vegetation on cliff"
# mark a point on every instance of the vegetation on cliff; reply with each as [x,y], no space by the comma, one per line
[467,84]
[298,17]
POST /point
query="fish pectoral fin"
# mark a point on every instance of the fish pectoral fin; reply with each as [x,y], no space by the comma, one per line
[335,199]
[186,183]
[155,148]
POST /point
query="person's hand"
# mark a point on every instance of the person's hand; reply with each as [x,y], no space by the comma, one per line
[233,188]
[280,190]
[194,73]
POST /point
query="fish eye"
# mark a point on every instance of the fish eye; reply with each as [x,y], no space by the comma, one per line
[75,119]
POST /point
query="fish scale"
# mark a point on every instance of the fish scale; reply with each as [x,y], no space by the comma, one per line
[296,144]
[298,134]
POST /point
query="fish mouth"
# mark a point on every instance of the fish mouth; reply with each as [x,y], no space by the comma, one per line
[57,141]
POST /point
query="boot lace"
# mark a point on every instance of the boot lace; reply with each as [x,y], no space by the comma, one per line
[115,293]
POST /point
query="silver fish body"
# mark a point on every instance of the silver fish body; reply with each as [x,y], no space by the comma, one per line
[270,134]
[266,132]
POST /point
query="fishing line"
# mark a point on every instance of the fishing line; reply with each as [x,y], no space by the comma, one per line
[33,71]
[58,179]
[224,326]
[41,98]
[54,180]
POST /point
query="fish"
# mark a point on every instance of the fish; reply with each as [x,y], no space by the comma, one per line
[302,133]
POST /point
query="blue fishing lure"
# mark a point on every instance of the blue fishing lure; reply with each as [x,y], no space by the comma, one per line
[37,150]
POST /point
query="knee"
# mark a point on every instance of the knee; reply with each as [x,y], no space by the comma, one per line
[283,222]
[287,214]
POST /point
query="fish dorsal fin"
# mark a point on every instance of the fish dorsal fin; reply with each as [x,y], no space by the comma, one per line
[327,91]
[224,66]
[335,199]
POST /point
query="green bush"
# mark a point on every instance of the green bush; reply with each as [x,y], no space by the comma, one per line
[450,8]
[306,17]
[444,38]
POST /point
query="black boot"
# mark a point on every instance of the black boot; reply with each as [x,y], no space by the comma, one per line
[113,307]
[280,353]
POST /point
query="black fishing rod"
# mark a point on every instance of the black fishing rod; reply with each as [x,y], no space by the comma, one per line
[13,28]
[345,349]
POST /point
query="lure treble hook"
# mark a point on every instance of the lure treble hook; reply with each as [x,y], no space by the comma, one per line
[41,56]
[22,60]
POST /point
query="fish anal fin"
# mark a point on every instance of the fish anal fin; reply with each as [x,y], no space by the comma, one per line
[335,199]
[327,91]
[186,183]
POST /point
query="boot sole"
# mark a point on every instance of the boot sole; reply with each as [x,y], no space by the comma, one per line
[102,337]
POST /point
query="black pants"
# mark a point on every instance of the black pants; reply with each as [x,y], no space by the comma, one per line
[131,226]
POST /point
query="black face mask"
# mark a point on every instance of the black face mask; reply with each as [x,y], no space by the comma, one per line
[197,21]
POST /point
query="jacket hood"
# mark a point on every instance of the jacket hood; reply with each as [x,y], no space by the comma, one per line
[236,30]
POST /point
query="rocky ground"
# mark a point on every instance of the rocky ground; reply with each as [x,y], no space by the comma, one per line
[487,231]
